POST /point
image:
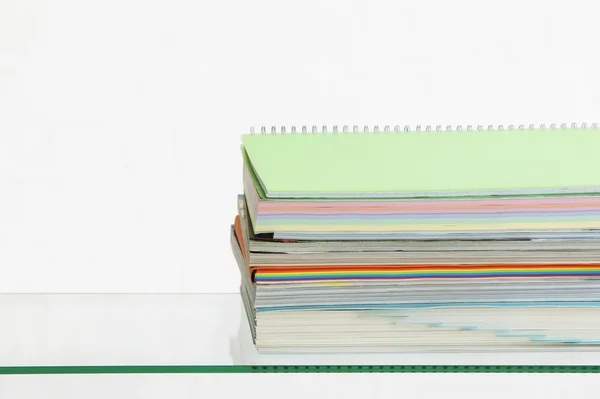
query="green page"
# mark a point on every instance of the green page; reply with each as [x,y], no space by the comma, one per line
[426,164]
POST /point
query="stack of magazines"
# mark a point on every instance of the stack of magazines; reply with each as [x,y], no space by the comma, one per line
[421,240]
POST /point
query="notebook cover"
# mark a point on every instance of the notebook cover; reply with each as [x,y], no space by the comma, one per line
[426,164]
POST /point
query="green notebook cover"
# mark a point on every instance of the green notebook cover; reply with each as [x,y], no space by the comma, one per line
[426,164]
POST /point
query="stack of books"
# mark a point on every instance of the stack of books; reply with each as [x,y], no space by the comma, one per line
[421,241]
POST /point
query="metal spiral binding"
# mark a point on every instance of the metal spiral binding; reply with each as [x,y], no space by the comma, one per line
[418,128]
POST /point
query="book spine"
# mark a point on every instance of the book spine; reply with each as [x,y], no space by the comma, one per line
[418,128]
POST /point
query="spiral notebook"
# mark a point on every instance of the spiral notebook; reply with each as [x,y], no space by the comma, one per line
[397,164]
[497,184]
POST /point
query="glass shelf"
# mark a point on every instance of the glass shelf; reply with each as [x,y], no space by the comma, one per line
[197,333]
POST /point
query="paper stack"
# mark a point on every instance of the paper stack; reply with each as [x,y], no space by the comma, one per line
[421,241]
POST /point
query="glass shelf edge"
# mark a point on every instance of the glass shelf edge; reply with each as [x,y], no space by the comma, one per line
[224,369]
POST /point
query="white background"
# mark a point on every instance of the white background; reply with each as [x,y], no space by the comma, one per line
[120,120]
[278,386]
[120,124]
